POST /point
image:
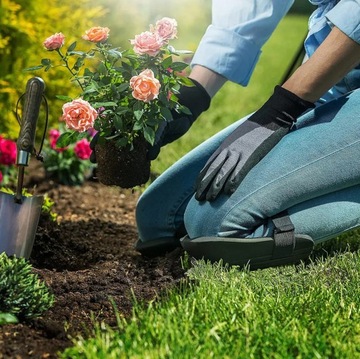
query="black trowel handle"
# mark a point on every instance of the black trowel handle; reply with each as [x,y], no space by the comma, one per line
[25,144]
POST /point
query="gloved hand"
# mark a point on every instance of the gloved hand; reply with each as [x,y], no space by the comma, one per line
[197,100]
[92,147]
[248,144]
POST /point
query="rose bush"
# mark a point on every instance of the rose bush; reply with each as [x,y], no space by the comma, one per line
[68,165]
[123,94]
[8,153]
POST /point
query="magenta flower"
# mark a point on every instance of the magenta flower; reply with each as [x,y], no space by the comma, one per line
[82,149]
[53,137]
[7,152]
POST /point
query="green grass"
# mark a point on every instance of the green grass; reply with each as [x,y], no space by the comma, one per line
[305,311]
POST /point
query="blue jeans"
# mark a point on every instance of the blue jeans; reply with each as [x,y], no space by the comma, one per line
[313,173]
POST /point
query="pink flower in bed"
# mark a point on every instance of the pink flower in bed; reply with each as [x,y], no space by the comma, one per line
[7,152]
[82,149]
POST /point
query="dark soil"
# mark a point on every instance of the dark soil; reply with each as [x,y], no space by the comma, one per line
[86,259]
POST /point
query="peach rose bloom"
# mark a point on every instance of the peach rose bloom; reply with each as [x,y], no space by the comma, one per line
[166,28]
[54,42]
[145,86]
[97,34]
[147,43]
[79,115]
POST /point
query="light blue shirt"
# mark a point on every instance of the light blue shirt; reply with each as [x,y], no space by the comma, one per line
[232,44]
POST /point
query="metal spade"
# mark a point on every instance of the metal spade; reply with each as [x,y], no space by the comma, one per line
[19,215]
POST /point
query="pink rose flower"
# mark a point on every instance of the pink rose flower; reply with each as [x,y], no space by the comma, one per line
[147,43]
[7,152]
[97,34]
[145,86]
[79,115]
[166,28]
[1,176]
[54,42]
[53,137]
[82,149]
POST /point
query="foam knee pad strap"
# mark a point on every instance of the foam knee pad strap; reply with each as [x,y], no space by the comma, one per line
[285,247]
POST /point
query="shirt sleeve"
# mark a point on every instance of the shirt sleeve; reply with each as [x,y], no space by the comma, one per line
[232,44]
[346,16]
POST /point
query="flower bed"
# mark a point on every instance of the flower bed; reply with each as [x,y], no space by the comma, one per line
[85,259]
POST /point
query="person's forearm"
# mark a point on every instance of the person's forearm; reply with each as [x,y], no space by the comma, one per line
[334,58]
[210,80]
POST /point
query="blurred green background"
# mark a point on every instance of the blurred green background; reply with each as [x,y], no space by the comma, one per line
[26,24]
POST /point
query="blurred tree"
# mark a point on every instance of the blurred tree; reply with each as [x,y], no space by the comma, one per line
[24,27]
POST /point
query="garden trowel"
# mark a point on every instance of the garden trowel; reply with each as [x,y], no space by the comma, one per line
[19,215]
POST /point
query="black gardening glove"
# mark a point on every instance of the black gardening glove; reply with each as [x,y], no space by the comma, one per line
[248,144]
[197,100]
[93,143]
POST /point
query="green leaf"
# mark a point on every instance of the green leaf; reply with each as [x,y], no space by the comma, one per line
[104,104]
[138,114]
[88,73]
[122,87]
[79,62]
[149,134]
[137,126]
[71,47]
[118,122]
[138,106]
[185,110]
[115,53]
[45,62]
[80,53]
[66,139]
[102,68]
[178,66]
[8,318]
[64,98]
[34,68]
[166,113]
[167,62]
[163,98]
[121,110]
[122,142]
[178,52]
[186,81]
